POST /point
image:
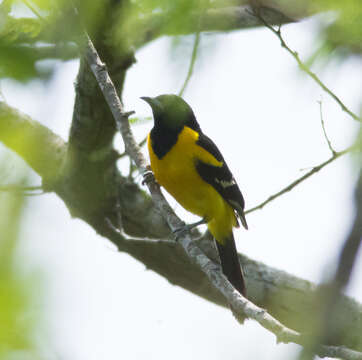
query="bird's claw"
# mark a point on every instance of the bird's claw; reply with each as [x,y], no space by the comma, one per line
[148,177]
[181,230]
[187,227]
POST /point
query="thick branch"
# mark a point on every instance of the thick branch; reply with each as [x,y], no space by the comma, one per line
[217,19]
[29,139]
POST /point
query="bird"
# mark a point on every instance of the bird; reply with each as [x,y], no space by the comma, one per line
[191,168]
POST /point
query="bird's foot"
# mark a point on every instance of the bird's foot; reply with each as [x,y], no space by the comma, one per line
[186,228]
[148,175]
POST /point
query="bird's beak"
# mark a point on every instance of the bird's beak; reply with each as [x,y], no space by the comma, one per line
[147,99]
[153,102]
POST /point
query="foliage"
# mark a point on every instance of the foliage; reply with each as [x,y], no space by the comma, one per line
[134,23]
[342,35]
[17,322]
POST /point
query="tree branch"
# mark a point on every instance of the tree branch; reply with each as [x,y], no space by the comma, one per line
[296,182]
[352,243]
[121,118]
[65,51]
[192,63]
[324,129]
[23,190]
[28,138]
[302,65]
[213,19]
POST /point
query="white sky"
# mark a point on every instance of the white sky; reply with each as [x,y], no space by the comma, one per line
[263,114]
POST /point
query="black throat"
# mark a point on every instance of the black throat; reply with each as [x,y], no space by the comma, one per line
[163,139]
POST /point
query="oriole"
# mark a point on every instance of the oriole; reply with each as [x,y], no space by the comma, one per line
[191,168]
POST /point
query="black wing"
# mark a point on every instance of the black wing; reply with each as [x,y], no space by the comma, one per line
[221,178]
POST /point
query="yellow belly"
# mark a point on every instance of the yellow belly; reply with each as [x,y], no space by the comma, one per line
[177,173]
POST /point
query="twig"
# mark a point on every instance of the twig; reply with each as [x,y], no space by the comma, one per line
[240,304]
[33,9]
[25,190]
[304,67]
[192,63]
[314,170]
[140,144]
[324,129]
[109,91]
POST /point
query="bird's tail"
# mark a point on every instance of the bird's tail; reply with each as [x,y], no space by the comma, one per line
[230,263]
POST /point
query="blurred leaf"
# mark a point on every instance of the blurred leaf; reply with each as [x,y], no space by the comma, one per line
[140,120]
[17,58]
[5,7]
[342,36]
[45,5]
[147,19]
[20,29]
[17,321]
[18,62]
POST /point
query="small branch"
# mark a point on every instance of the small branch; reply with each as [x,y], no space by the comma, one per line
[24,190]
[140,145]
[33,9]
[100,72]
[239,304]
[304,67]
[296,182]
[324,129]
[65,51]
[192,63]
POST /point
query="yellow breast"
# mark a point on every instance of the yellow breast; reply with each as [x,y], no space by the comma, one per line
[177,173]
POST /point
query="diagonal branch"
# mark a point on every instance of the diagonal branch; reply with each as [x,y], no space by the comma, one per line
[99,69]
[240,304]
[329,143]
[192,63]
[296,182]
[23,190]
[303,66]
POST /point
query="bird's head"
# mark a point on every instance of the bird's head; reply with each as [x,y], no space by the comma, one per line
[171,112]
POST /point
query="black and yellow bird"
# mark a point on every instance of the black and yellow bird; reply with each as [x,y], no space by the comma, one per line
[191,168]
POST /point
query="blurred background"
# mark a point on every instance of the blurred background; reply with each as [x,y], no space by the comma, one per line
[66,293]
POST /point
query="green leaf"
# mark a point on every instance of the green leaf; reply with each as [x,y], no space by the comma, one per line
[139,120]
[17,292]
[20,29]
[18,62]
[342,36]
